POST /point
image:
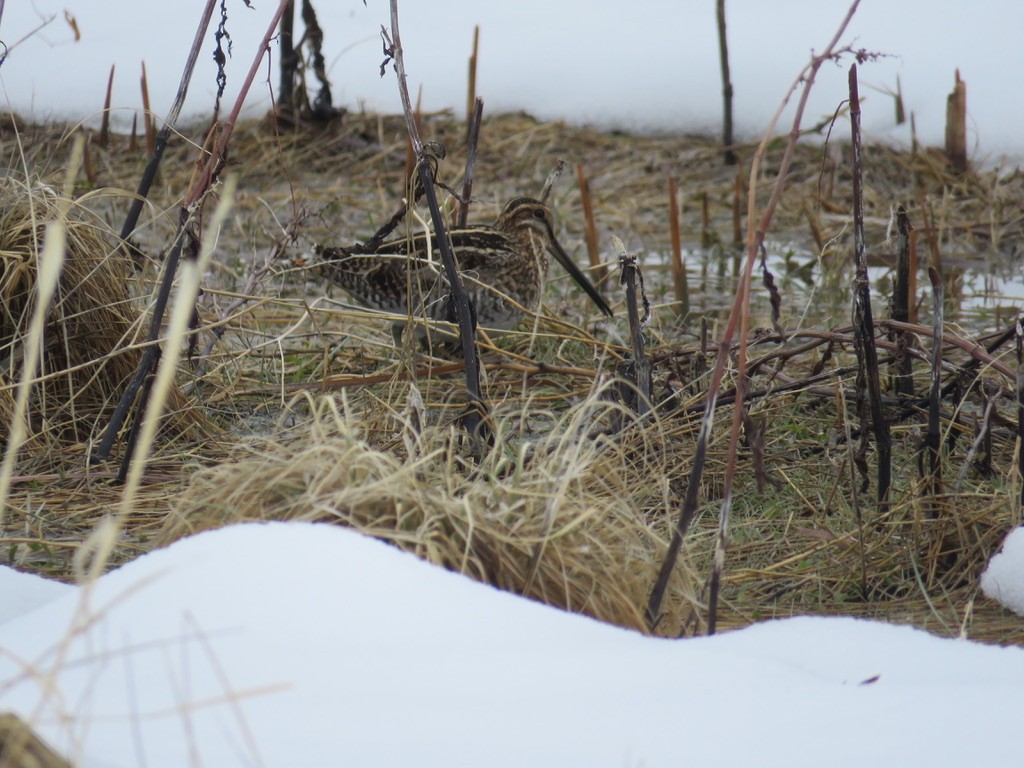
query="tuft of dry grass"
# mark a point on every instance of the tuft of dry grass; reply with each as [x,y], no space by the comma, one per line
[92,326]
[556,515]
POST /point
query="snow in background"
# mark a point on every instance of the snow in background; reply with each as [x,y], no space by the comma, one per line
[311,645]
[646,64]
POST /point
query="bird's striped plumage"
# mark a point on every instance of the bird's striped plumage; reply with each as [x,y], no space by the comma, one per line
[504,267]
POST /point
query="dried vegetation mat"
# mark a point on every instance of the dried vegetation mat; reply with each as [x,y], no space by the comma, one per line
[310,412]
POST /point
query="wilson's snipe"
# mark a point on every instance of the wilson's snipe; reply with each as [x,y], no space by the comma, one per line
[503,265]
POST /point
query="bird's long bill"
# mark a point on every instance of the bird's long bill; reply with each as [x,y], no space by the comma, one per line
[581,279]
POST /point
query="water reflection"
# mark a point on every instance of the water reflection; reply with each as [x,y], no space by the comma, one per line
[983,292]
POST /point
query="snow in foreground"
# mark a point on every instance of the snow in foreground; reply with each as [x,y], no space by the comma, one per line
[307,645]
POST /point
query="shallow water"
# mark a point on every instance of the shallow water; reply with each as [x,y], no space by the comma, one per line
[982,292]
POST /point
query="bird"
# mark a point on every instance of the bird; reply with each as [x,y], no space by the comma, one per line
[504,266]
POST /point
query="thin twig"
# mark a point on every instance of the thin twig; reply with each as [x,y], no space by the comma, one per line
[149,174]
[754,239]
[728,153]
[633,282]
[863,323]
[933,438]
[472,142]
[141,379]
[473,419]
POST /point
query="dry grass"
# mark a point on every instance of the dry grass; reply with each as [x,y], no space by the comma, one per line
[323,419]
[91,334]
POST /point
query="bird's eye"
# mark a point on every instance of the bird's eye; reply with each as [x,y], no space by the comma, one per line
[538,213]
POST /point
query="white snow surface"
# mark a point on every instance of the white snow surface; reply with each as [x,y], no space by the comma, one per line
[311,645]
[23,592]
[1003,580]
[649,64]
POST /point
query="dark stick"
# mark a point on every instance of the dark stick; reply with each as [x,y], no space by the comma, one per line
[864,327]
[932,439]
[632,281]
[322,107]
[473,141]
[728,154]
[471,98]
[679,282]
[184,237]
[755,237]
[473,419]
[104,136]
[590,229]
[956,126]
[705,222]
[1019,336]
[901,298]
[737,208]
[288,64]
[147,113]
[149,174]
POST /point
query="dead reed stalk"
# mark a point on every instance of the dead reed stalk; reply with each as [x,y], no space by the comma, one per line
[901,300]
[471,84]
[739,315]
[1018,327]
[956,126]
[474,416]
[590,228]
[104,135]
[869,389]
[471,148]
[932,446]
[184,238]
[640,366]
[728,153]
[679,280]
[147,114]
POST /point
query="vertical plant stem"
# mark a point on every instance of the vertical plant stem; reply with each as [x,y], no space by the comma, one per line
[87,164]
[756,231]
[901,113]
[133,144]
[737,208]
[632,282]
[864,327]
[728,154]
[590,229]
[956,126]
[288,63]
[473,418]
[705,222]
[473,142]
[104,137]
[184,304]
[679,281]
[141,378]
[933,439]
[814,222]
[471,84]
[147,114]
[912,278]
[901,304]
[1019,339]
[149,174]
[410,150]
